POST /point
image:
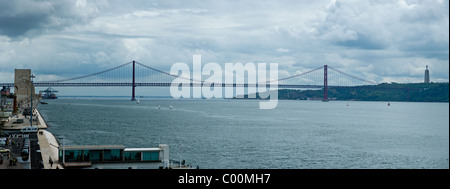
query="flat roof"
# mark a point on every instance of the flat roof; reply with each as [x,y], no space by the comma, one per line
[77,164]
[110,147]
[141,149]
[93,147]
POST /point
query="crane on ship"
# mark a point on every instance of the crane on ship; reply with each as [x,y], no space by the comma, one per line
[49,93]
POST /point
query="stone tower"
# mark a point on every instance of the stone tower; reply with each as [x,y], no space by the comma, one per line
[427,75]
[23,88]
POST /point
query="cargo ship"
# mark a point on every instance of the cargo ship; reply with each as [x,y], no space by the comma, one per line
[49,93]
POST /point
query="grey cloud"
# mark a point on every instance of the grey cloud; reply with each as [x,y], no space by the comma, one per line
[360,37]
[382,25]
[21,17]
[363,41]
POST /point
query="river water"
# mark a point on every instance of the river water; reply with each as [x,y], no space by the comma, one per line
[227,134]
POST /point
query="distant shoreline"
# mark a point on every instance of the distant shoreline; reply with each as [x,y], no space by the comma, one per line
[101,96]
[168,97]
[394,92]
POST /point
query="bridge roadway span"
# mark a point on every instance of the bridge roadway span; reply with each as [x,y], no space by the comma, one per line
[112,76]
[38,84]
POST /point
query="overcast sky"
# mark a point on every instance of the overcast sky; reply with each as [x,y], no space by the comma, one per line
[381,41]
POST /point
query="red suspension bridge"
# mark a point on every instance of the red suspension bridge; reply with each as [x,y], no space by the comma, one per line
[136,74]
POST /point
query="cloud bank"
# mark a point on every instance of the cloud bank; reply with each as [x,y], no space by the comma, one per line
[382,41]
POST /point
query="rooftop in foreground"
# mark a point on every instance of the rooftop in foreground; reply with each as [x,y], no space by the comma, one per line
[83,156]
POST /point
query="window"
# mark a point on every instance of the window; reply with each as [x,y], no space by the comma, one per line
[107,155]
[112,155]
[116,155]
[85,155]
[73,156]
[95,155]
[150,156]
[146,156]
[132,156]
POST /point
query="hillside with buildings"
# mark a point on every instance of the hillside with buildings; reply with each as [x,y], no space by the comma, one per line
[410,92]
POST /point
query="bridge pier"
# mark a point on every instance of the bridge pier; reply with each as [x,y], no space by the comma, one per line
[133,85]
[325,83]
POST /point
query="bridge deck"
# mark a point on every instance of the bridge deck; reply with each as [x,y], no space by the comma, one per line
[38,84]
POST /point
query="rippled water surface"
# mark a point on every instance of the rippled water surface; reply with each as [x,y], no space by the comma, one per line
[236,134]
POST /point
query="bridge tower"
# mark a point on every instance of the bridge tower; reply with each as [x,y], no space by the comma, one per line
[134,84]
[325,83]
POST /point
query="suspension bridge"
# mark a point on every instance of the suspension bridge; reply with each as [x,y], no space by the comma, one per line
[135,74]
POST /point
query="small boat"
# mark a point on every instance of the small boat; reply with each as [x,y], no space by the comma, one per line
[137,101]
[389,104]
[170,107]
[159,107]
[43,102]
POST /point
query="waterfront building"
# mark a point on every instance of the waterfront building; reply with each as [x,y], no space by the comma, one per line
[113,156]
